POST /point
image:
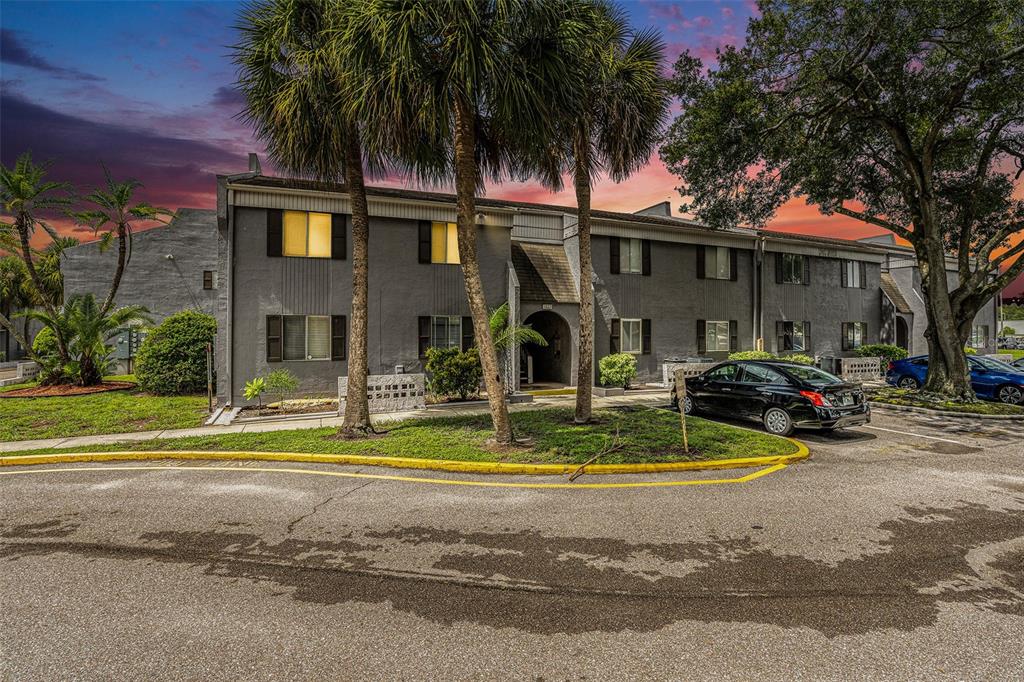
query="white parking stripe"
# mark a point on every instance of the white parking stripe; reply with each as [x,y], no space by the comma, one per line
[907,433]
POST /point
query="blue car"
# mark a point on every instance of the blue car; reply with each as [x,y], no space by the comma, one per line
[991,379]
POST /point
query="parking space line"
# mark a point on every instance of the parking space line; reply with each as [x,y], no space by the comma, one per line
[908,433]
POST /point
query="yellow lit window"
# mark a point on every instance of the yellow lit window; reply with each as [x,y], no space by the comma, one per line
[307,234]
[444,243]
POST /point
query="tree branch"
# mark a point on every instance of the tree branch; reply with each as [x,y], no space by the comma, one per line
[874,220]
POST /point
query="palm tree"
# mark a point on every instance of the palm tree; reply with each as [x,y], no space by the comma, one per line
[508,337]
[622,109]
[16,293]
[297,98]
[26,194]
[49,262]
[114,214]
[88,328]
[479,75]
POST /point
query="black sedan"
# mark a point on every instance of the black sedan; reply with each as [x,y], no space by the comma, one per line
[784,396]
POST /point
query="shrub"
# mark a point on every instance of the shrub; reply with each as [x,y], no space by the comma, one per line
[454,372]
[753,355]
[799,358]
[617,369]
[886,351]
[172,359]
[281,383]
[254,389]
[44,348]
[970,351]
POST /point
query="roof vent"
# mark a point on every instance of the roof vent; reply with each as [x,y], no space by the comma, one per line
[254,164]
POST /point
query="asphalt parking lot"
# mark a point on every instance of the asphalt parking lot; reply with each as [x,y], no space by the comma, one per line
[896,551]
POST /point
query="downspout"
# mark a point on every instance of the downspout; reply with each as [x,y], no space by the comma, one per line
[758,293]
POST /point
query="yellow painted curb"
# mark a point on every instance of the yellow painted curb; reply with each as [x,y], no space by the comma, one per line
[409,462]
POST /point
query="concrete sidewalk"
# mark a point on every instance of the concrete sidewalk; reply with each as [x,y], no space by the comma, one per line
[294,424]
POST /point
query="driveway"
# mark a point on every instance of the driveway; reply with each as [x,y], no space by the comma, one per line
[897,551]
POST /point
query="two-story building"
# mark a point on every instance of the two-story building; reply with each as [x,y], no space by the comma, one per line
[664,288]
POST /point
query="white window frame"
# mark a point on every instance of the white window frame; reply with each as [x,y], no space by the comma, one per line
[624,336]
[712,336]
[716,258]
[305,338]
[799,258]
[305,253]
[450,232]
[979,330]
[626,253]
[852,274]
[451,322]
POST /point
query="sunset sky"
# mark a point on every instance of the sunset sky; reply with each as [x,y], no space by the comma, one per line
[146,88]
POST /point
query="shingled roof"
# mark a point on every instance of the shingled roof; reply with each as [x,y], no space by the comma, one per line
[544,273]
[892,291]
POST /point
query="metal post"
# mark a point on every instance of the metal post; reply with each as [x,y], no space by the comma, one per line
[209,377]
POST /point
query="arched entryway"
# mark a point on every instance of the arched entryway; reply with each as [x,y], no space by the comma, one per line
[551,363]
[902,333]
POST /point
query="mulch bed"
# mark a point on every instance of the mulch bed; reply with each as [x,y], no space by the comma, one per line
[66,391]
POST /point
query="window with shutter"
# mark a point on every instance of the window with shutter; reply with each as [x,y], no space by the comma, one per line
[645,336]
[631,256]
[273,325]
[717,336]
[631,336]
[444,243]
[616,336]
[306,235]
[718,262]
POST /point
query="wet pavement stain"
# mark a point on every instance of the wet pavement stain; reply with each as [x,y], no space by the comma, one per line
[60,527]
[546,584]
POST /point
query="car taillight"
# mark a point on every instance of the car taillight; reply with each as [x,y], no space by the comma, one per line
[817,399]
[892,366]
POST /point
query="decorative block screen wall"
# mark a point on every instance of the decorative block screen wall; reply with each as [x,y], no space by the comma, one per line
[389,392]
[861,369]
[692,369]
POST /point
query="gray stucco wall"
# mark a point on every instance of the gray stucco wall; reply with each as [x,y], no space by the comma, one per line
[672,298]
[163,285]
[825,303]
[401,290]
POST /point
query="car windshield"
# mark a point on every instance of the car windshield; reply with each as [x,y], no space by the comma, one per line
[993,364]
[813,375]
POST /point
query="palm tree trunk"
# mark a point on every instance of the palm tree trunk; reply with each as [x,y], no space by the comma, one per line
[23,221]
[26,330]
[585,371]
[465,189]
[357,406]
[122,251]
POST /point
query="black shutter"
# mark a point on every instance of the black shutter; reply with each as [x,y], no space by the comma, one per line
[275,232]
[613,249]
[807,270]
[807,337]
[734,272]
[780,336]
[338,344]
[613,343]
[845,274]
[274,346]
[846,336]
[424,335]
[702,337]
[424,243]
[645,256]
[701,273]
[339,236]
[734,336]
[863,275]
[778,268]
[864,332]
[645,337]
[468,339]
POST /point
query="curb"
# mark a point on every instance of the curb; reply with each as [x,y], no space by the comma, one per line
[944,413]
[506,468]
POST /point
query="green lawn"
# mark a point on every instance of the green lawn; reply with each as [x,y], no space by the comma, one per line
[1017,354]
[899,396]
[113,412]
[641,434]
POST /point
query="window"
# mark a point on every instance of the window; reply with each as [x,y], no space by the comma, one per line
[792,268]
[762,374]
[794,336]
[209,279]
[723,373]
[853,274]
[717,336]
[444,243]
[445,332]
[979,336]
[307,234]
[307,337]
[854,335]
[632,339]
[631,256]
[717,263]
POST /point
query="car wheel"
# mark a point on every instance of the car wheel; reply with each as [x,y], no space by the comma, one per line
[688,406]
[777,420]
[1011,395]
[909,383]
